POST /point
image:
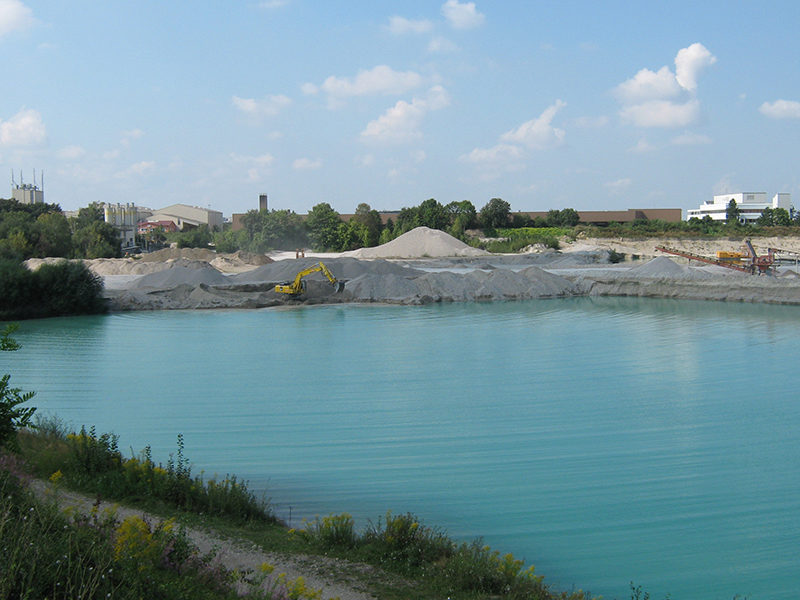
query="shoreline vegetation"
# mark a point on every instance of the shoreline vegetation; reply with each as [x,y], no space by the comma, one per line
[405,558]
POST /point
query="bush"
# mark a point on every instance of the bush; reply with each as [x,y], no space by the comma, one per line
[403,540]
[93,463]
[12,415]
[53,290]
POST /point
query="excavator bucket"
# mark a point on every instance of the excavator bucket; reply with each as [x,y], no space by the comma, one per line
[339,287]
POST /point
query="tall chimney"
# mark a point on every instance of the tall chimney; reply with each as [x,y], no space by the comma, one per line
[262,202]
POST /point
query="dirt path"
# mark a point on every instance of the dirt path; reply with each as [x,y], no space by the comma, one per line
[336,578]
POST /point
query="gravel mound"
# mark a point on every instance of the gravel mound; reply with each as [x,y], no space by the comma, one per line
[445,286]
[418,243]
[342,268]
[191,273]
[166,254]
[662,267]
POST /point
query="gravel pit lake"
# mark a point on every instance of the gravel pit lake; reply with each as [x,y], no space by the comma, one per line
[605,440]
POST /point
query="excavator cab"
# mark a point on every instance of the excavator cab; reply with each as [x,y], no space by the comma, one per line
[298,286]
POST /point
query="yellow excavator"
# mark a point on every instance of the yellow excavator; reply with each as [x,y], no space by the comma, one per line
[298,286]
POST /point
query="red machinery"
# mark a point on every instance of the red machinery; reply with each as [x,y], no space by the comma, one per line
[751,263]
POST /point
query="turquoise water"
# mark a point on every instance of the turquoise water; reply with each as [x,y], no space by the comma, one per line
[603,440]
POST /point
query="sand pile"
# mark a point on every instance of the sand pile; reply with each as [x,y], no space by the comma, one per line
[418,243]
[166,254]
[179,273]
[662,267]
[342,268]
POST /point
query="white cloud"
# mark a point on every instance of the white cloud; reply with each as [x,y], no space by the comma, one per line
[401,25]
[267,107]
[137,169]
[618,186]
[71,153]
[400,123]
[501,153]
[381,79]
[691,139]
[538,133]
[647,85]
[662,113]
[132,134]
[264,160]
[14,16]
[368,160]
[689,62]
[642,146]
[649,98]
[309,89]
[273,3]
[462,16]
[781,109]
[591,122]
[25,128]
[441,45]
[306,164]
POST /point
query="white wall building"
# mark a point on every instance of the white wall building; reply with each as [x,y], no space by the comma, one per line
[750,205]
[124,218]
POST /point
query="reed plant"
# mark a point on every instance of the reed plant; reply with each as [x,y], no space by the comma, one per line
[93,463]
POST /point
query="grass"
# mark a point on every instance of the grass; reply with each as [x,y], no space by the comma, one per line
[514,240]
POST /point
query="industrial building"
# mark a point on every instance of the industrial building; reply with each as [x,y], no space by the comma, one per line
[193,216]
[750,205]
[27,193]
[124,219]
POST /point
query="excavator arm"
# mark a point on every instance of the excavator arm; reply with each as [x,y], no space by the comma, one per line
[297,287]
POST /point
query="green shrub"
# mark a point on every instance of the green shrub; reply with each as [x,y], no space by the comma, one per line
[53,290]
[615,257]
[333,531]
[12,415]
[403,540]
[93,463]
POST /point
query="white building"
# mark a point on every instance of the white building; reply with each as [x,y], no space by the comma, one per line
[183,214]
[750,205]
[124,218]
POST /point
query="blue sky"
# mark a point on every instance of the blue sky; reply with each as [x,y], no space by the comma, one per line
[589,105]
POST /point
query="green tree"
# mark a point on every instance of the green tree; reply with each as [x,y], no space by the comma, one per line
[462,216]
[12,415]
[767,218]
[731,212]
[432,214]
[371,220]
[53,236]
[495,213]
[323,227]
[407,220]
[569,217]
[98,239]
[352,235]
[195,237]
[780,217]
[230,241]
[268,230]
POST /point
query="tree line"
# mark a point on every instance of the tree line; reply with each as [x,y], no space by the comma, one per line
[42,230]
[323,229]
